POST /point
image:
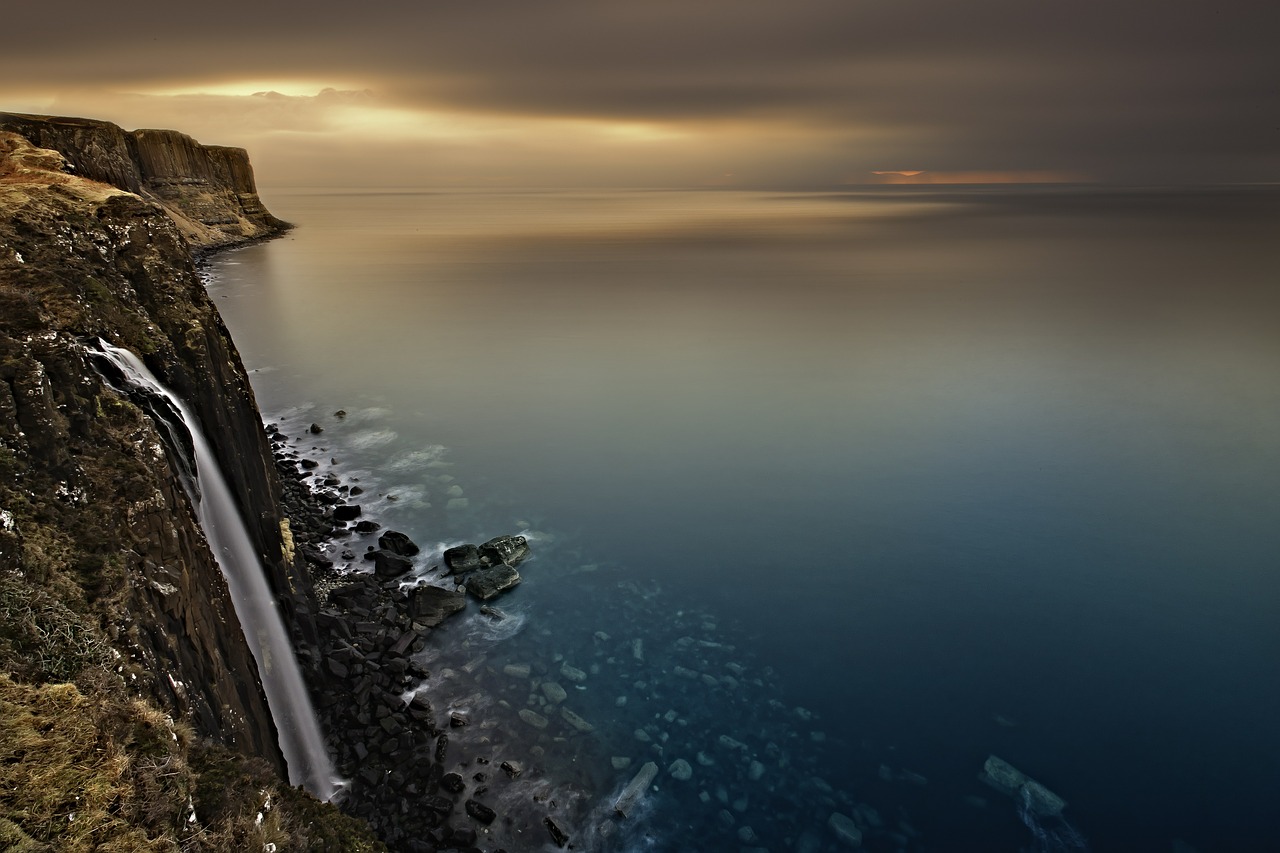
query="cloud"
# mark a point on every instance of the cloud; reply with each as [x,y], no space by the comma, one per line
[1119,89]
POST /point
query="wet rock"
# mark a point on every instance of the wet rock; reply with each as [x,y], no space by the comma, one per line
[680,769]
[511,768]
[517,670]
[620,762]
[487,583]
[367,526]
[387,565]
[431,605]
[316,429]
[557,834]
[755,771]
[845,829]
[457,721]
[453,783]
[505,550]
[554,692]
[346,512]
[747,835]
[463,559]
[397,543]
[480,812]
[462,837]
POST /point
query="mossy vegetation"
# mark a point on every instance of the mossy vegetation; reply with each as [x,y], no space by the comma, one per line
[81,774]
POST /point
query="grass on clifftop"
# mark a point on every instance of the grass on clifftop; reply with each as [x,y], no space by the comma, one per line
[79,774]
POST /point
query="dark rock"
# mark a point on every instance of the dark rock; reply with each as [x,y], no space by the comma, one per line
[480,812]
[505,550]
[457,721]
[387,565]
[557,834]
[487,583]
[443,805]
[511,768]
[431,605]
[309,463]
[367,526]
[314,557]
[462,836]
[316,429]
[442,748]
[397,543]
[453,782]
[346,512]
[463,559]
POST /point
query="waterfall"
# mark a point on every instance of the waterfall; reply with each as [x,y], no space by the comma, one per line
[300,740]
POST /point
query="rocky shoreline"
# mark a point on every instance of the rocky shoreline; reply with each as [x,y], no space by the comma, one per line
[400,772]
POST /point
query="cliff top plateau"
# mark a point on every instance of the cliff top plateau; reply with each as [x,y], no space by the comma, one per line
[208,190]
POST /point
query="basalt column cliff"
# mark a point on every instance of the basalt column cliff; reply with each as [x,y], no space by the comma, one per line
[120,649]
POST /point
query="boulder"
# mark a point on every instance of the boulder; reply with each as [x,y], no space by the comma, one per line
[397,543]
[463,559]
[680,769]
[346,512]
[431,605]
[387,565]
[480,812]
[487,583]
[505,550]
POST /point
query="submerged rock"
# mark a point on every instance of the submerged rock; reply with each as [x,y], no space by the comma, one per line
[1003,776]
[845,829]
[680,769]
[635,789]
[533,718]
[576,721]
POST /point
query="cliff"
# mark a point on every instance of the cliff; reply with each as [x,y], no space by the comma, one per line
[109,594]
[209,191]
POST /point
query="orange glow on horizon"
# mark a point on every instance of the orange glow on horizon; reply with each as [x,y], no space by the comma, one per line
[1026,176]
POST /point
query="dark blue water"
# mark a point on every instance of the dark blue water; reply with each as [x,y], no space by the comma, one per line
[958,475]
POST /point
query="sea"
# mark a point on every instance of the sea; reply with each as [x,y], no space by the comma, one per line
[831,497]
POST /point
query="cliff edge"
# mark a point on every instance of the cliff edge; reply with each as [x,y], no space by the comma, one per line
[209,191]
[131,709]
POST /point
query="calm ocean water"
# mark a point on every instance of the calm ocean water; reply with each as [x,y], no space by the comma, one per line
[929,477]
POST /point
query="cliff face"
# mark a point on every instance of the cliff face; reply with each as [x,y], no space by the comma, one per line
[209,191]
[103,568]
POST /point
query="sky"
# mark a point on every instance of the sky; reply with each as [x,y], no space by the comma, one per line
[802,94]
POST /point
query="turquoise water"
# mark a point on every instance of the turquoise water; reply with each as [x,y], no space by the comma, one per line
[954,474]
